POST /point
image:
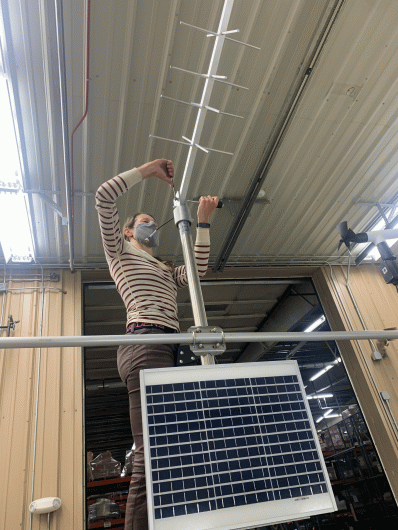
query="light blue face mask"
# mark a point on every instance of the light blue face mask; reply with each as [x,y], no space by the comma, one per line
[147,234]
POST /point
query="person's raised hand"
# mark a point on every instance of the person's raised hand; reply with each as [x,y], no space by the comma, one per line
[206,207]
[161,168]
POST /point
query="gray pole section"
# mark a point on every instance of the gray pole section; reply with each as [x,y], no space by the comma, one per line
[195,290]
[188,338]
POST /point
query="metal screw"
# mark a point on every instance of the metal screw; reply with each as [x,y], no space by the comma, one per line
[181,361]
[200,346]
[214,330]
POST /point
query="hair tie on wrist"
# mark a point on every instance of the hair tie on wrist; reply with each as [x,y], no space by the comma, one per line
[203,225]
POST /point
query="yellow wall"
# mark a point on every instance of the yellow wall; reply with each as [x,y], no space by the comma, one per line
[60,457]
[59,439]
[378,306]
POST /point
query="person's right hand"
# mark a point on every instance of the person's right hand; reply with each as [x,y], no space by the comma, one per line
[161,168]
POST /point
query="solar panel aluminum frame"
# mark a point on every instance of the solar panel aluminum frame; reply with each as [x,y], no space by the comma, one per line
[238,516]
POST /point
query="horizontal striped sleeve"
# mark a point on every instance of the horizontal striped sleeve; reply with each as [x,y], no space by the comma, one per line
[201,251]
[105,203]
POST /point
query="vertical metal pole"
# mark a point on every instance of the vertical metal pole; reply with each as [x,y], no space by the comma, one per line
[181,212]
[195,290]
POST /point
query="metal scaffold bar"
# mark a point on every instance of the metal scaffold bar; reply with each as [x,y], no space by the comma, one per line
[188,338]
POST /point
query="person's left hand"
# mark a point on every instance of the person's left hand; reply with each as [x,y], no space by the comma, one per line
[206,207]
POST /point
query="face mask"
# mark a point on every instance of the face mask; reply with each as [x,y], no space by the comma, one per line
[147,234]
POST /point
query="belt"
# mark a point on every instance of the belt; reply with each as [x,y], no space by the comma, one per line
[138,325]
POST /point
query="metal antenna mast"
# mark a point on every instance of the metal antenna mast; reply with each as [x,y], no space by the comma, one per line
[182,216]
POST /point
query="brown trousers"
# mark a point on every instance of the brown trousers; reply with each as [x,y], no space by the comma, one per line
[130,360]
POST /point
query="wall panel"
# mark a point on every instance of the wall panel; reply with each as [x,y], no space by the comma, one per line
[377,303]
[49,381]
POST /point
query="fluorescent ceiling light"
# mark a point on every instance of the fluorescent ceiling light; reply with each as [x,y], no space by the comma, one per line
[321,372]
[326,369]
[315,324]
[328,415]
[15,236]
[15,230]
[319,396]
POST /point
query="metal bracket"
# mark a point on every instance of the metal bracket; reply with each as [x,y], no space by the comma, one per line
[182,213]
[376,355]
[51,203]
[198,348]
[11,325]
[384,395]
[382,345]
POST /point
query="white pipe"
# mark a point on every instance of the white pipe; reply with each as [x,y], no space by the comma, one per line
[188,338]
[377,236]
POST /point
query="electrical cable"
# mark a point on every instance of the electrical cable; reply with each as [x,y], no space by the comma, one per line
[354,302]
[37,398]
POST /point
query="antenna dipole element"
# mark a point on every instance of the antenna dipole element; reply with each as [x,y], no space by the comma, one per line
[207,90]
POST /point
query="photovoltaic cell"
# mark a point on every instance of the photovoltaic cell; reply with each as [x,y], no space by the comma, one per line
[222,445]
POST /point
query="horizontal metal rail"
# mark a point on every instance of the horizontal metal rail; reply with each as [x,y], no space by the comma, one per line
[189,338]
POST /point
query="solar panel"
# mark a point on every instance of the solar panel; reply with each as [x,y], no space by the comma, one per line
[230,446]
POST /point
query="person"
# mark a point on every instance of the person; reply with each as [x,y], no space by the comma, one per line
[148,287]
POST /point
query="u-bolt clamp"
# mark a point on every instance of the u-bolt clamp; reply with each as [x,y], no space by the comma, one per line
[213,348]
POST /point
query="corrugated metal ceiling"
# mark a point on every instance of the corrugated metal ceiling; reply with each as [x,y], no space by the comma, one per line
[338,149]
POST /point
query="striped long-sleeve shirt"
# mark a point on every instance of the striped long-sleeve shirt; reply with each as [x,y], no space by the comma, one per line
[147,286]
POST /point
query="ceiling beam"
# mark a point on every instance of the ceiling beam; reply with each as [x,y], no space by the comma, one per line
[281,127]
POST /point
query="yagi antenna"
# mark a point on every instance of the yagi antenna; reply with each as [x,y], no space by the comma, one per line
[211,77]
[182,215]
